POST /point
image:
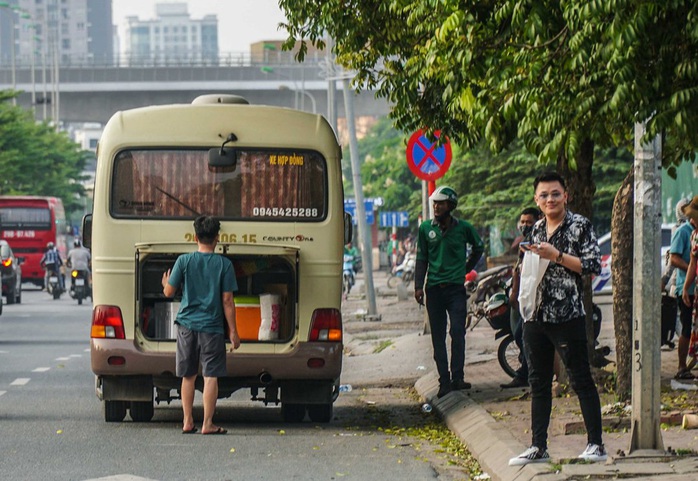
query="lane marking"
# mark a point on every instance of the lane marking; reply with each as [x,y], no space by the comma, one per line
[20,381]
[75,355]
[62,359]
[41,369]
[2,392]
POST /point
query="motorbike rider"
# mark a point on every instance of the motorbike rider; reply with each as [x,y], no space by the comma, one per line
[51,261]
[79,259]
[349,249]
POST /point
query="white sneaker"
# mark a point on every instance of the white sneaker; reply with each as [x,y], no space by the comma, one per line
[532,455]
[594,452]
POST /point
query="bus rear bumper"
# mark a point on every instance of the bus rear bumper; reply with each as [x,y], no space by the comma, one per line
[309,361]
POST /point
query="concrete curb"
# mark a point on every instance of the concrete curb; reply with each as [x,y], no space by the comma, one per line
[490,443]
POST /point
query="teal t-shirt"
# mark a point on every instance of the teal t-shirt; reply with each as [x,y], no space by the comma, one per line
[204,278]
[681,245]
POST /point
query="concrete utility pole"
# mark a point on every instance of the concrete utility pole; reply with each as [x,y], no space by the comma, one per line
[645,432]
[364,234]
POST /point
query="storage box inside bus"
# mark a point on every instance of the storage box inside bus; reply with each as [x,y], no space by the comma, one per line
[263,310]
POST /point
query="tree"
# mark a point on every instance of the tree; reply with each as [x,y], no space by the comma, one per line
[563,76]
[37,160]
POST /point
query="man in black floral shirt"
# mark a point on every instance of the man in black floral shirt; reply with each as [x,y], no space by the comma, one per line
[568,241]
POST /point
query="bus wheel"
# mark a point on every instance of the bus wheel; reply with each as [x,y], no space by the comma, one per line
[114,411]
[320,413]
[292,413]
[142,411]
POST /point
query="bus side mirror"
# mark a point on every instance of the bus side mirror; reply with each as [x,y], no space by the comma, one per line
[87,231]
[348,228]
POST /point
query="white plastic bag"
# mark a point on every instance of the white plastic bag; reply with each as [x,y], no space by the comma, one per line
[270,307]
[532,270]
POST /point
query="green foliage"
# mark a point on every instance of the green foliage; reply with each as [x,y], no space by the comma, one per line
[554,74]
[493,188]
[37,160]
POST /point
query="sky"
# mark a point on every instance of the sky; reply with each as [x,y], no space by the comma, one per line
[240,22]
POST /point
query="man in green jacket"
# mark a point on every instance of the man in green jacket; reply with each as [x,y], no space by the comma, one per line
[447,248]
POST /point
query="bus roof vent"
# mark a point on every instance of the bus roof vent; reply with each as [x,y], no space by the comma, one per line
[219,99]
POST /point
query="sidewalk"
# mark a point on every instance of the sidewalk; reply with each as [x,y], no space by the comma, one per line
[494,423]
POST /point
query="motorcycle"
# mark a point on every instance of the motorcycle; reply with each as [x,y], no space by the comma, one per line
[347,274]
[403,272]
[498,315]
[53,285]
[486,284]
[79,285]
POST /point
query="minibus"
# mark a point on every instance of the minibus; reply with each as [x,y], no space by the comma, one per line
[272,177]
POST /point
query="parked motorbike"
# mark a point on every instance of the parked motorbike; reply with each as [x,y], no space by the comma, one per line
[498,315]
[404,272]
[347,274]
[486,284]
[53,284]
[79,285]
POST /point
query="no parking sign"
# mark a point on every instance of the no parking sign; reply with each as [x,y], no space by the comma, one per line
[426,159]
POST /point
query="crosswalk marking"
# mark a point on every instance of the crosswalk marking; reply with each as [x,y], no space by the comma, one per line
[20,381]
[41,369]
[2,392]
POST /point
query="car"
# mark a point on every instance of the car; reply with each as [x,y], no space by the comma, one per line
[602,283]
[11,274]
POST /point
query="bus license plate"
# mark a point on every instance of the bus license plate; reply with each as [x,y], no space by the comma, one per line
[79,282]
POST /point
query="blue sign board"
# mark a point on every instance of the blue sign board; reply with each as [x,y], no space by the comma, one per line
[394,219]
[350,207]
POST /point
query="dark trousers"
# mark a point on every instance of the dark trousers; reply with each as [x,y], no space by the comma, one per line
[516,324]
[541,340]
[444,304]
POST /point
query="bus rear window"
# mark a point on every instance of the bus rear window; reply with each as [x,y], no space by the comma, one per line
[22,218]
[278,185]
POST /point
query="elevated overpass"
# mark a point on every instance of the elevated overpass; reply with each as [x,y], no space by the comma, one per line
[92,93]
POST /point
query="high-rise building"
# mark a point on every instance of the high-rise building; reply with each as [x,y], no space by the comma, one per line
[71,31]
[172,35]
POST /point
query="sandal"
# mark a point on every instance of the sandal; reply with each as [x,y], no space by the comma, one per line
[684,374]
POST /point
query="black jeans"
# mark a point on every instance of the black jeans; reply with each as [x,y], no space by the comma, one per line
[541,340]
[444,303]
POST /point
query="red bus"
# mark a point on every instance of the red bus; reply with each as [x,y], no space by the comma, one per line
[28,223]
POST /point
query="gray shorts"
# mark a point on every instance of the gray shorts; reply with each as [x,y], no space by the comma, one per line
[195,346]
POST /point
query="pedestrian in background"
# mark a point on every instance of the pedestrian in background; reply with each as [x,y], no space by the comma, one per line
[442,247]
[529,216]
[207,281]
[558,323]
[680,256]
[691,211]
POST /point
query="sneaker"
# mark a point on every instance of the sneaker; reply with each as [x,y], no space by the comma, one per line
[594,452]
[534,454]
[460,385]
[443,390]
[516,382]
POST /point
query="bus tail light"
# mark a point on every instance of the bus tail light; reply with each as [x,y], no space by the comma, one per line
[107,323]
[326,325]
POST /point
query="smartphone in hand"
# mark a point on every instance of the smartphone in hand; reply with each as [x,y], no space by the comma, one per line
[525,246]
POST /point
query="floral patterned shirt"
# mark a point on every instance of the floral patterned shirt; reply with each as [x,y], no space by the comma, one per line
[560,293]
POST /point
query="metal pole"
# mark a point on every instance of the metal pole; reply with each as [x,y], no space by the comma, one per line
[645,433]
[427,213]
[364,234]
[14,62]
[33,53]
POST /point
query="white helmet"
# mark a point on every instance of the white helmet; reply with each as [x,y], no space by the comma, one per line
[445,193]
